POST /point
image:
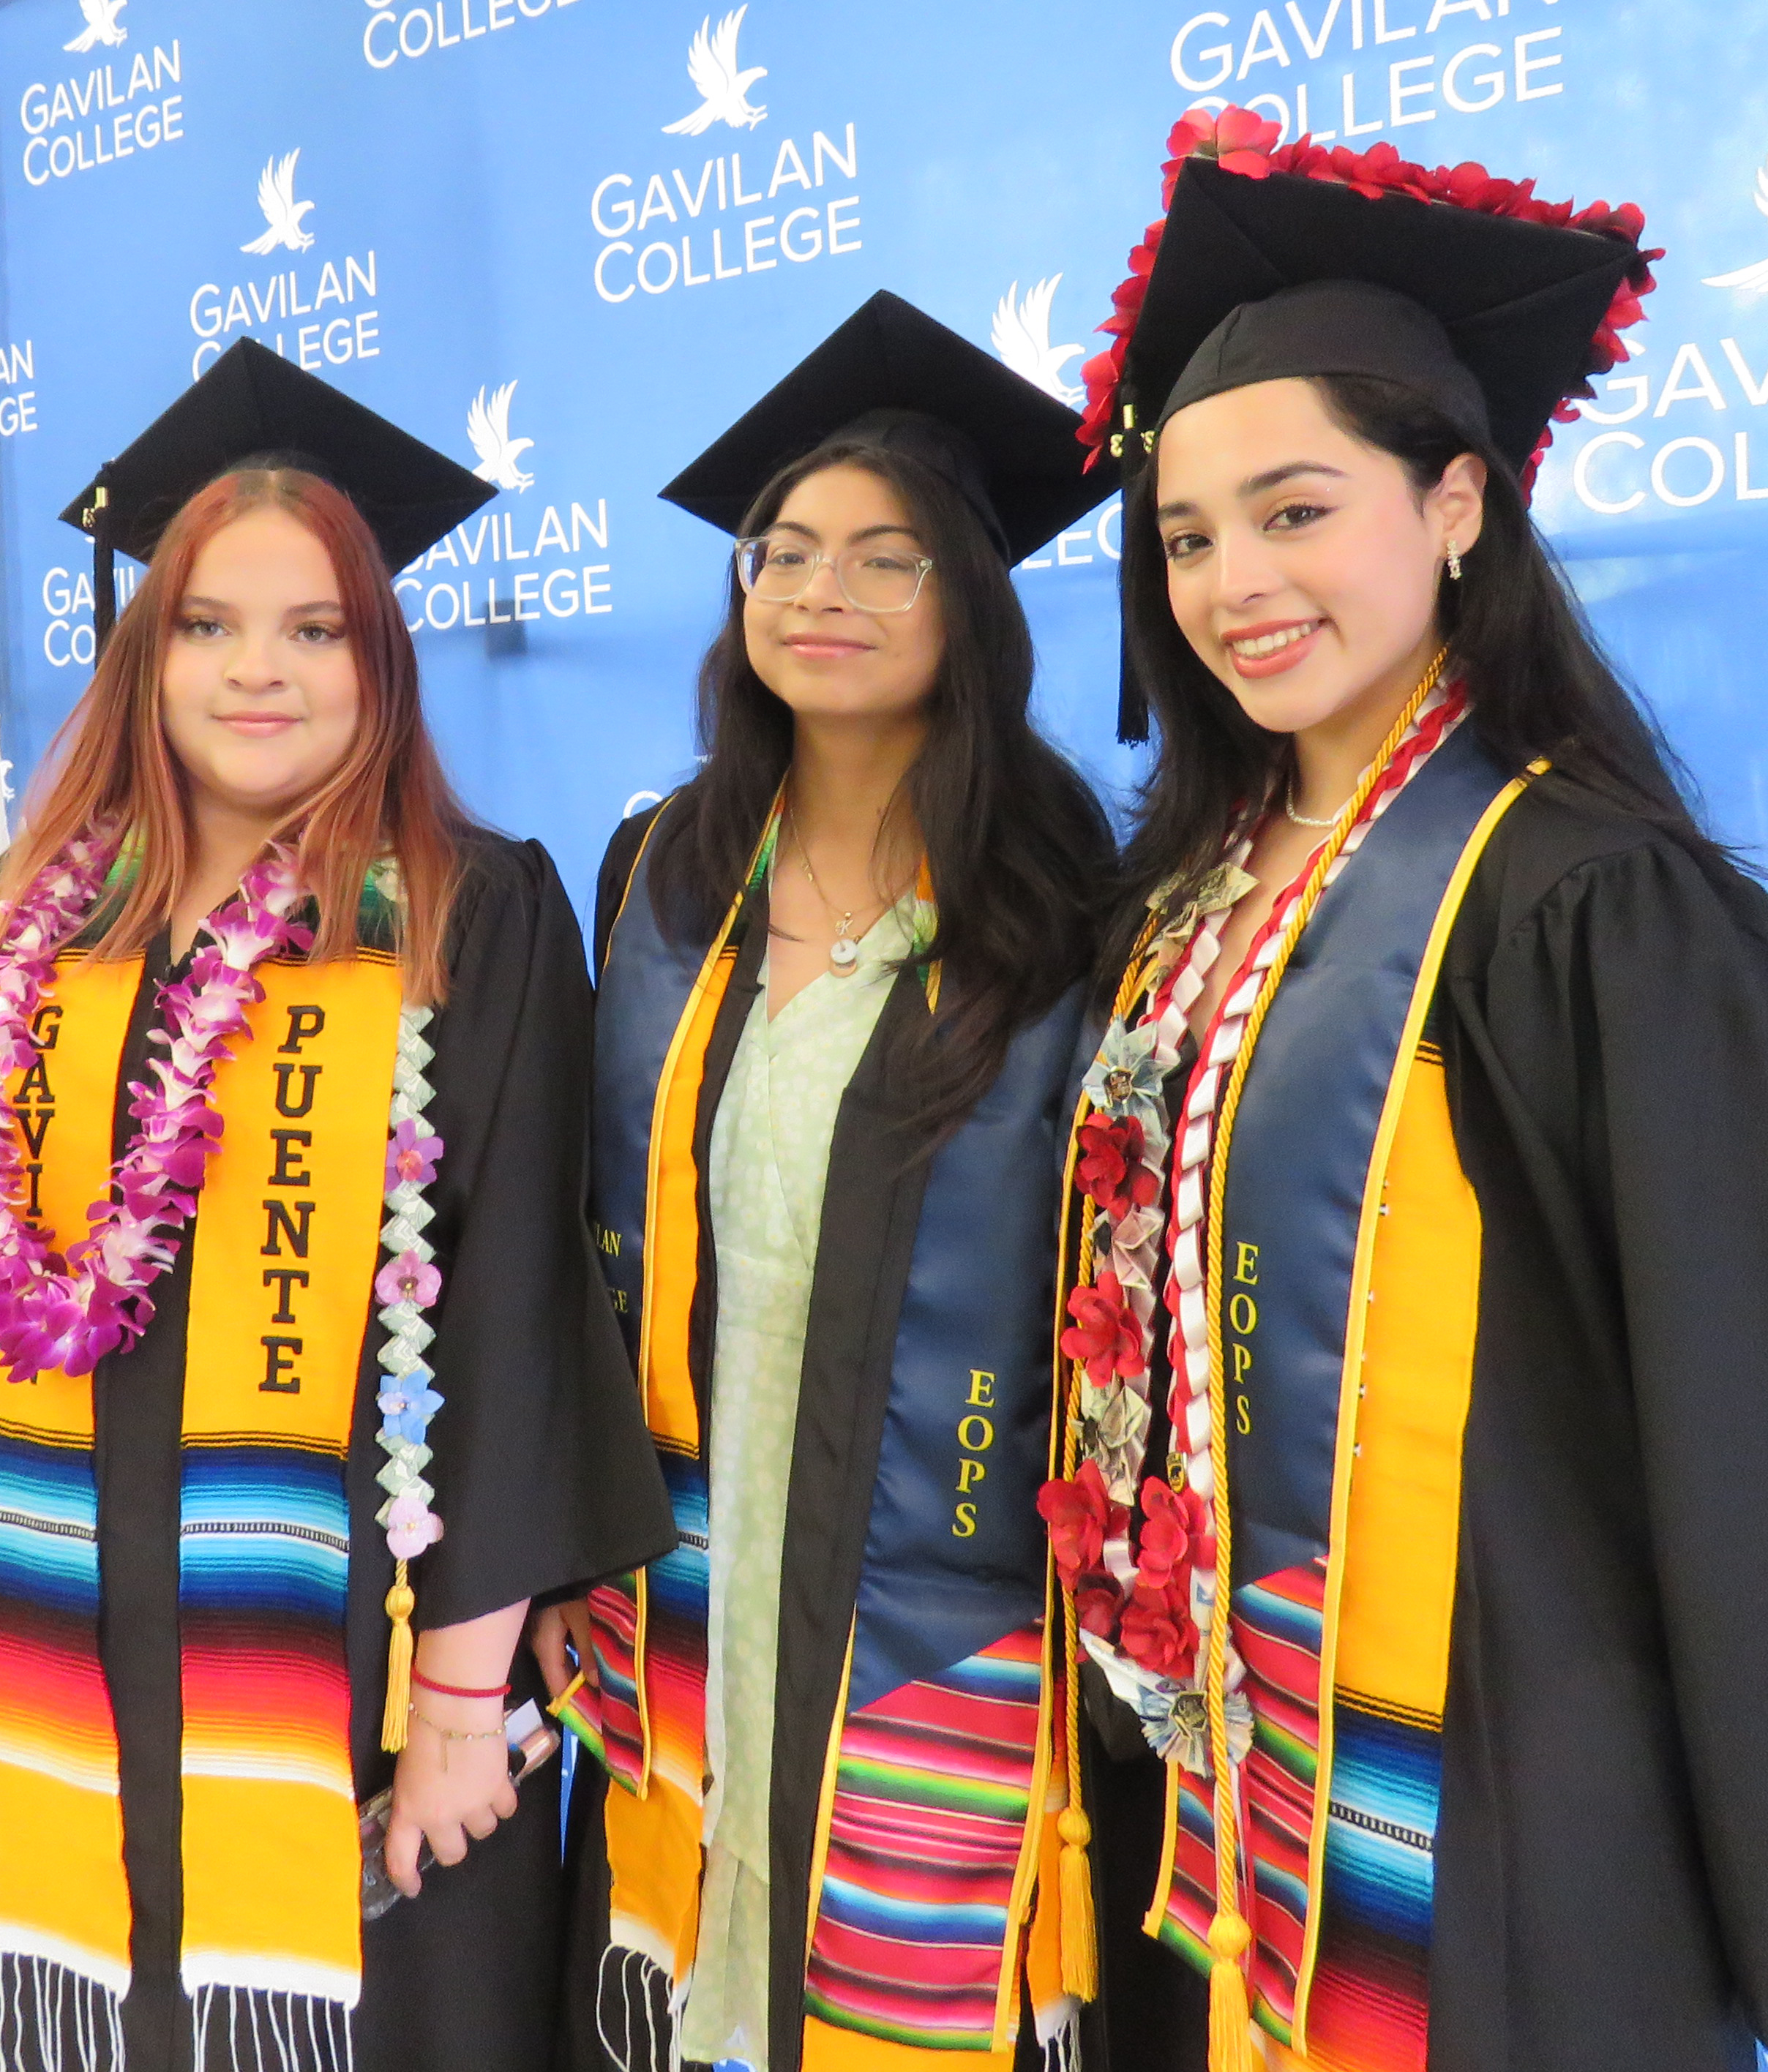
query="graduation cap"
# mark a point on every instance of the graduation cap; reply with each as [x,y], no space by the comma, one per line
[894,377]
[1342,266]
[253,405]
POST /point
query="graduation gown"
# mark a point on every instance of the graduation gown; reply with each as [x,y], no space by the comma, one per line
[854,1483]
[1601,1861]
[544,1474]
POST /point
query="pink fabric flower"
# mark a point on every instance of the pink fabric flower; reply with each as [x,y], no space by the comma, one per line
[408,1279]
[412,1526]
[412,1152]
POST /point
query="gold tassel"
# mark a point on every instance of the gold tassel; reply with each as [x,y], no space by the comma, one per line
[395,1721]
[1230,2019]
[1080,1943]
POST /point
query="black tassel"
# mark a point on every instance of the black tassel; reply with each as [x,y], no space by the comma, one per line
[1131,700]
[104,561]
[1129,446]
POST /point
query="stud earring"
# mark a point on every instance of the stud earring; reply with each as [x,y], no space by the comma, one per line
[1455,562]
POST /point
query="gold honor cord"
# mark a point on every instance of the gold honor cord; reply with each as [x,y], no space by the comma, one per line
[1230,2038]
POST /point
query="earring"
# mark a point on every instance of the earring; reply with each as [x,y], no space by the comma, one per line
[1455,562]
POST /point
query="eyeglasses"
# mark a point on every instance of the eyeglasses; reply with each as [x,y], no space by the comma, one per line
[778,570]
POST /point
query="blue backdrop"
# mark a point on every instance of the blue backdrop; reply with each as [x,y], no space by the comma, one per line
[559,241]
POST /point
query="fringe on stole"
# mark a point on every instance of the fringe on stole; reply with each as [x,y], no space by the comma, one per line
[635,2020]
[634,2015]
[54,2017]
[53,2020]
[238,2029]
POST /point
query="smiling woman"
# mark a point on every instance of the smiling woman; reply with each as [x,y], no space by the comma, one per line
[1411,1292]
[270,1005]
[841,978]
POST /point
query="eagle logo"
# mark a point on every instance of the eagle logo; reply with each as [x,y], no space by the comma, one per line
[722,87]
[1752,278]
[1021,335]
[487,426]
[281,212]
[102,26]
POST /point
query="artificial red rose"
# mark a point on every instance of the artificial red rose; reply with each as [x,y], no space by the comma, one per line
[1304,158]
[1104,1333]
[1081,1517]
[1163,1552]
[1237,139]
[1159,1634]
[1098,1604]
[1110,1168]
[1175,1536]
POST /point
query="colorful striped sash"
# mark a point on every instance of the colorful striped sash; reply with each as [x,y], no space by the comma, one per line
[1350,1249]
[932,1827]
[284,1249]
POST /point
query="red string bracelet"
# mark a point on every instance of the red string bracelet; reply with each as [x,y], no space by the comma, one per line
[456,1690]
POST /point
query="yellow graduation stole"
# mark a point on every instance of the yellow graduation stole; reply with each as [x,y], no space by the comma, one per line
[285,1250]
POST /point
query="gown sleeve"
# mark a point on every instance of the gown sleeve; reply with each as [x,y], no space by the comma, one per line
[1623,1030]
[545,1478]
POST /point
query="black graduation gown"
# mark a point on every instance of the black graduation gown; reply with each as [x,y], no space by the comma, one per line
[874,1200]
[544,1473]
[1602,1862]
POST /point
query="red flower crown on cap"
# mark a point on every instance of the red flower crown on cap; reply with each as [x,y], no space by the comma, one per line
[1240,142]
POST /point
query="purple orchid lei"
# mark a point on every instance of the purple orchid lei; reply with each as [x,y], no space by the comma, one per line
[69,1312]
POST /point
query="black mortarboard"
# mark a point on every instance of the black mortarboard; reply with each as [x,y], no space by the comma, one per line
[892,375]
[251,404]
[1490,318]
[1511,307]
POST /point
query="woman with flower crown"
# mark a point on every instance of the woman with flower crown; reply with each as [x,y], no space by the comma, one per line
[301,1331]
[1412,1522]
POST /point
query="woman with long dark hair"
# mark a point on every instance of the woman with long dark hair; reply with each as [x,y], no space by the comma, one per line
[295,1277]
[841,977]
[1412,1295]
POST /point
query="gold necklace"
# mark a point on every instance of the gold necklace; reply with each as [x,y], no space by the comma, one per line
[843,952]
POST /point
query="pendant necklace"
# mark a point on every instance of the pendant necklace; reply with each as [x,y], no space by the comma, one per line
[843,952]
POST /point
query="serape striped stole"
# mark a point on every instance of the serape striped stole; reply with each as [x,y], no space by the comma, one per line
[285,1248]
[935,1816]
[1349,1305]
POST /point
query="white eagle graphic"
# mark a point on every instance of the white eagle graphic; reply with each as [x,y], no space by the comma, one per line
[1021,333]
[101,27]
[1754,278]
[281,212]
[487,426]
[723,90]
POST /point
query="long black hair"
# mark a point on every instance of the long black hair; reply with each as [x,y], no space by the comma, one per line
[1018,849]
[1538,683]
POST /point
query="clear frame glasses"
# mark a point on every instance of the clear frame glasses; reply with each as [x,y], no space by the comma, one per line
[778,569]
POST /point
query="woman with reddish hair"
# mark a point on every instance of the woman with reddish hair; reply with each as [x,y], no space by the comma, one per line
[293,1269]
